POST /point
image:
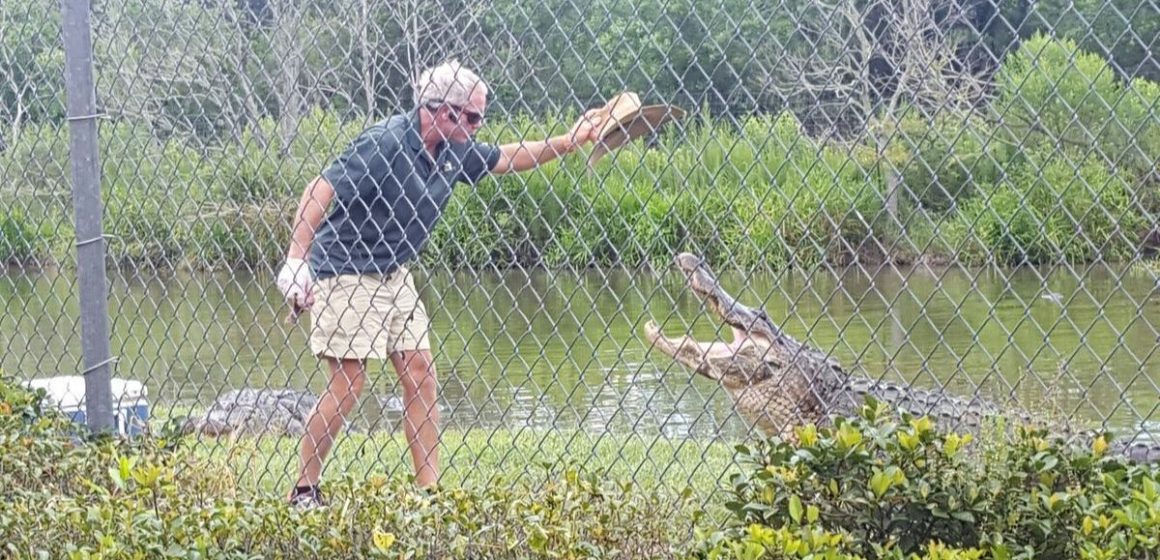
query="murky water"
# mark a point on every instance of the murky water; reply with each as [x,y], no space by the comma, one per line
[548,349]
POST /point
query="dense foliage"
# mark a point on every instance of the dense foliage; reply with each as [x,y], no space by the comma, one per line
[206,148]
[237,61]
[876,486]
[873,486]
[155,497]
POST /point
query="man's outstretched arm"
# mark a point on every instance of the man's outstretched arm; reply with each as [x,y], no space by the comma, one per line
[525,155]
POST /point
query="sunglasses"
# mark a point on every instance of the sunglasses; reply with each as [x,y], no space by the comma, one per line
[472,117]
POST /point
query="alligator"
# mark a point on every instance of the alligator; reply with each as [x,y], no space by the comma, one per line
[251,411]
[778,383]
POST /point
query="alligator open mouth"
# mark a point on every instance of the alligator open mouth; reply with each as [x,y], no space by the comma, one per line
[749,326]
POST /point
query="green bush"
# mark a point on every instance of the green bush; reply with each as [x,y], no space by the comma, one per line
[758,542]
[151,189]
[236,235]
[762,194]
[1053,207]
[1051,93]
[20,238]
[873,486]
[944,162]
[879,486]
[1147,96]
[141,508]
[262,167]
[37,162]
[1014,185]
[72,496]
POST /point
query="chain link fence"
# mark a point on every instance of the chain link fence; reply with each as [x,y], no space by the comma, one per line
[945,194]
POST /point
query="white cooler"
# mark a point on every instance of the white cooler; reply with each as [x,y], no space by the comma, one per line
[130,407]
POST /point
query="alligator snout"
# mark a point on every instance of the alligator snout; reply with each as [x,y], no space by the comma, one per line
[700,278]
[688,262]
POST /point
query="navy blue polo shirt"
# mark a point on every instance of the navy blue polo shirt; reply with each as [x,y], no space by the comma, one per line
[388,196]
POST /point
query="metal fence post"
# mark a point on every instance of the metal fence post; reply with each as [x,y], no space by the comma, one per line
[86,191]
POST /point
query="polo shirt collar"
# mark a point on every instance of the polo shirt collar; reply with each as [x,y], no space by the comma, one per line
[411,136]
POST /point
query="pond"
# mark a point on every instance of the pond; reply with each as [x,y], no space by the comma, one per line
[549,349]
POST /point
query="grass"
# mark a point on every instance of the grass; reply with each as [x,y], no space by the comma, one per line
[479,456]
[248,466]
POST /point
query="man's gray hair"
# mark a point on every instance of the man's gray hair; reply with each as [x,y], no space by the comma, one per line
[449,82]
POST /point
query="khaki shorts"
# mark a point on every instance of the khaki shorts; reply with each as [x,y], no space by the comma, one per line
[368,316]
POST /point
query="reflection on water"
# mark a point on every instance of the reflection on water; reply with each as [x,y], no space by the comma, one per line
[562,349]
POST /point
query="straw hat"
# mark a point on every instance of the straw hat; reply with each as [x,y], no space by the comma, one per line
[625,119]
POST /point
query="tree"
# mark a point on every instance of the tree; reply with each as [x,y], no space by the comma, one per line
[856,67]
[173,66]
[1123,32]
[31,66]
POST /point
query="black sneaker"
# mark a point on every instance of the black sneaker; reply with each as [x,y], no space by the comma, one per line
[307,497]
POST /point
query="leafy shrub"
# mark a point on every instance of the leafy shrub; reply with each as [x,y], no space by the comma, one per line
[759,192]
[1054,207]
[263,167]
[20,239]
[758,542]
[762,193]
[1050,93]
[37,161]
[68,496]
[574,517]
[236,235]
[873,486]
[880,485]
[944,162]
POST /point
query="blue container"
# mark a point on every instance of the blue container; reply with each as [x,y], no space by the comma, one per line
[130,405]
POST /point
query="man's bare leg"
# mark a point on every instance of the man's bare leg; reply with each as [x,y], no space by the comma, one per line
[416,372]
[346,383]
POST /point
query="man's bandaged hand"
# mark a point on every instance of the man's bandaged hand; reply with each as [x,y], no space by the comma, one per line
[295,282]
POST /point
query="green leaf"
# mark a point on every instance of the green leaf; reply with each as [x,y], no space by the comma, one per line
[382,540]
[908,441]
[538,539]
[125,464]
[115,475]
[795,508]
[879,483]
[812,513]
[964,516]
[752,551]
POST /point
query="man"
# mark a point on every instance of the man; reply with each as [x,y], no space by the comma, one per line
[388,190]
